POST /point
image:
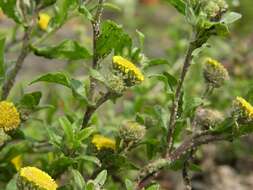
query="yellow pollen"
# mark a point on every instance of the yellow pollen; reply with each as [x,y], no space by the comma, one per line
[126,66]
[38,177]
[9,116]
[102,142]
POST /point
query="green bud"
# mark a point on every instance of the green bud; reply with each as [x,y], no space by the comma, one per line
[3,137]
[132,132]
[117,84]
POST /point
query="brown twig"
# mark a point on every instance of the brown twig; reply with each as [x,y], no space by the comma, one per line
[175,103]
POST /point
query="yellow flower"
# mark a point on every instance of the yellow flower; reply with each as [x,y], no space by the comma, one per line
[215,73]
[245,107]
[102,142]
[9,116]
[17,162]
[128,68]
[36,179]
[44,20]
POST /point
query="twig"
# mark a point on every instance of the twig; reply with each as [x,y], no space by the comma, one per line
[185,171]
[175,103]
[91,108]
[96,32]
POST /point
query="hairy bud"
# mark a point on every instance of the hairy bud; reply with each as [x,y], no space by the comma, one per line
[207,117]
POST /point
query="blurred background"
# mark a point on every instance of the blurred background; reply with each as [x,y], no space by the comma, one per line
[223,167]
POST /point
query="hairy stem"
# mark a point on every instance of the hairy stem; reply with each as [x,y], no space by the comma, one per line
[175,103]
[95,64]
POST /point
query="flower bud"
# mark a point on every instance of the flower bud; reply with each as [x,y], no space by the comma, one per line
[215,8]
[215,73]
[208,118]
[3,137]
[127,70]
[117,84]
[33,178]
[132,132]
[243,110]
[44,20]
[9,116]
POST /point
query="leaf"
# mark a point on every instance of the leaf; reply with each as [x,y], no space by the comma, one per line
[58,78]
[231,17]
[78,90]
[9,7]
[92,159]
[78,180]
[2,66]
[31,100]
[97,75]
[112,37]
[12,184]
[155,62]
[101,178]
[112,6]
[178,4]
[141,38]
[172,81]
[86,133]
[68,130]
[83,10]
[129,184]
[60,165]
[154,187]
[66,50]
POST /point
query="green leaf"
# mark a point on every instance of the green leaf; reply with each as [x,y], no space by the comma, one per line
[90,185]
[78,180]
[178,4]
[86,133]
[154,187]
[31,100]
[60,165]
[141,38]
[231,17]
[156,62]
[68,131]
[101,178]
[92,159]
[66,50]
[83,10]
[12,184]
[58,78]
[172,81]
[97,75]
[112,6]
[129,184]
[112,37]
[2,65]
[9,7]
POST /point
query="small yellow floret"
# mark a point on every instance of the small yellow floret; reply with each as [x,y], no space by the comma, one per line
[213,62]
[44,20]
[36,176]
[246,107]
[126,67]
[9,116]
[102,142]
[17,162]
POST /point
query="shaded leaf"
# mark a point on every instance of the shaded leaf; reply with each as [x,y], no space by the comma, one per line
[178,4]
[9,7]
[31,100]
[101,178]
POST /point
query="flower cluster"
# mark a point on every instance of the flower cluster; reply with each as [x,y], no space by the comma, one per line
[35,179]
[215,73]
[132,132]
[243,109]
[215,8]
[9,116]
[102,142]
[131,74]
[44,20]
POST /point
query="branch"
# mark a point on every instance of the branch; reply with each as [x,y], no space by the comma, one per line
[175,103]
[91,109]
[150,170]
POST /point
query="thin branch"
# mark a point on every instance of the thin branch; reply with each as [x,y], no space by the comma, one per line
[175,103]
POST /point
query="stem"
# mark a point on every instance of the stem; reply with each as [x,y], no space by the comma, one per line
[150,170]
[96,32]
[91,109]
[175,103]
[185,171]
[19,63]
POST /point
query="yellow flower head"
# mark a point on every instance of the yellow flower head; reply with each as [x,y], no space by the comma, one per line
[102,142]
[128,69]
[9,116]
[44,20]
[215,73]
[34,178]
[17,162]
[244,107]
